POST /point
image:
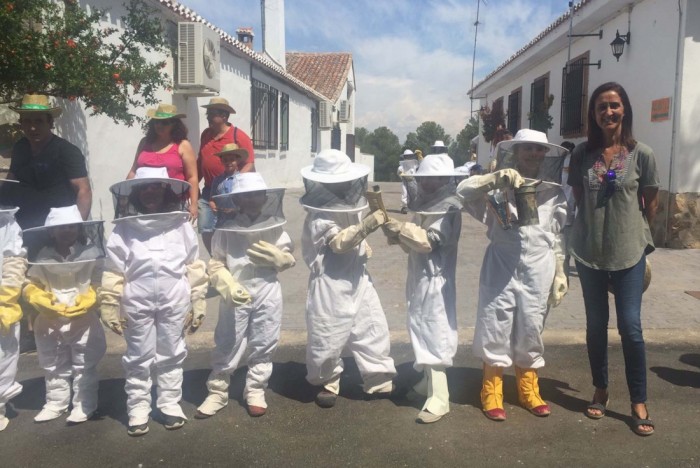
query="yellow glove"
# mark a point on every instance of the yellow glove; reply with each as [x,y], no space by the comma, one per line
[10,311]
[83,303]
[265,254]
[110,295]
[226,285]
[44,302]
[351,236]
[199,283]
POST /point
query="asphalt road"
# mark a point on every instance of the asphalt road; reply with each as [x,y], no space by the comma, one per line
[360,432]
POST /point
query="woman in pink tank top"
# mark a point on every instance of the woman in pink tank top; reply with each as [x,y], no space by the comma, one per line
[166,145]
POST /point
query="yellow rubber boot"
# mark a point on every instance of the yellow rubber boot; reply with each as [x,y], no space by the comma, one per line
[529,392]
[492,393]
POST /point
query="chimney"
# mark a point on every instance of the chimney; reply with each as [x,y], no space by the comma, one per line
[245,35]
[273,30]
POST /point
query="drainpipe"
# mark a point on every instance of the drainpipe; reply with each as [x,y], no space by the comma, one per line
[674,122]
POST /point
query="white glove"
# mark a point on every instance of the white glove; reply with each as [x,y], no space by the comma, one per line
[226,285]
[415,238]
[391,230]
[110,294]
[560,285]
[474,187]
[351,236]
[265,254]
[199,283]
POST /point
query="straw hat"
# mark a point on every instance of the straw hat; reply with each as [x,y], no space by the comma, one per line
[37,103]
[219,103]
[164,111]
[527,135]
[232,148]
[333,166]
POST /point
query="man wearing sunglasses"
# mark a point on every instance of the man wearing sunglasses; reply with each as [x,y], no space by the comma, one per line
[219,133]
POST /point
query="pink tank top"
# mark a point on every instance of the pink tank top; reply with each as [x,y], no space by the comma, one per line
[169,159]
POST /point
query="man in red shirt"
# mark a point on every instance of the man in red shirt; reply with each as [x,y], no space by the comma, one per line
[219,133]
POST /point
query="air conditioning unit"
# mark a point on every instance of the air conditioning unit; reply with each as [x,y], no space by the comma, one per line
[324,114]
[344,111]
[199,55]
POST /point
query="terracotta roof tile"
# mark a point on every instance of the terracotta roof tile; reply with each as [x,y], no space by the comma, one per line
[325,72]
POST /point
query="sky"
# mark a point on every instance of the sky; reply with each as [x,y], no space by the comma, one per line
[412,58]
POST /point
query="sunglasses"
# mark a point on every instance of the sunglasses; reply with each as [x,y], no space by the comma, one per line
[167,122]
[215,113]
[610,177]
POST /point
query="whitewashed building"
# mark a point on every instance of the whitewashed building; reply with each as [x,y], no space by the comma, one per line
[288,119]
[659,67]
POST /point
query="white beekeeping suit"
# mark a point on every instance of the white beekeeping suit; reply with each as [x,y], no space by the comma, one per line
[408,164]
[151,256]
[69,337]
[343,308]
[247,253]
[522,271]
[431,242]
[13,266]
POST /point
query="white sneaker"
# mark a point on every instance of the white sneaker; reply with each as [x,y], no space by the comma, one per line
[212,405]
[48,414]
[77,416]
[3,423]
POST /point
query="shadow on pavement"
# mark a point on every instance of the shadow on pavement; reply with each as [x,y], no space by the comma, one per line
[681,377]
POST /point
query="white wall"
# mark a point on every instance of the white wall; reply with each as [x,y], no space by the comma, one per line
[646,70]
[110,148]
[686,171]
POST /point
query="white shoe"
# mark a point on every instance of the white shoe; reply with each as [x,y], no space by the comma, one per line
[426,417]
[77,416]
[3,423]
[48,414]
[212,405]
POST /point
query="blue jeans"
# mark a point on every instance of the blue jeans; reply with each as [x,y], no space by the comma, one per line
[206,217]
[628,285]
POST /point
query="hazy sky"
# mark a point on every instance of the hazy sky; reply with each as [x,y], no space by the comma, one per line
[413,58]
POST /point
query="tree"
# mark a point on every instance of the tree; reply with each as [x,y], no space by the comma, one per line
[460,149]
[492,120]
[425,135]
[360,135]
[56,48]
[385,147]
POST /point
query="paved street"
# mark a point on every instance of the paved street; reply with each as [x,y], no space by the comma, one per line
[357,432]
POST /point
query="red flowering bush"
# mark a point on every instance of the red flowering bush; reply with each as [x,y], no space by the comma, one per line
[59,49]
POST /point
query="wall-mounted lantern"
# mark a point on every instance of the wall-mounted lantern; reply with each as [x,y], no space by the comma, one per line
[618,44]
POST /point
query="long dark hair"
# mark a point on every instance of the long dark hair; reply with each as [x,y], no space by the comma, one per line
[178,131]
[596,140]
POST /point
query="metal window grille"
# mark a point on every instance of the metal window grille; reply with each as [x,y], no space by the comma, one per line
[573,97]
[264,115]
[314,129]
[514,112]
[284,122]
[538,93]
[335,137]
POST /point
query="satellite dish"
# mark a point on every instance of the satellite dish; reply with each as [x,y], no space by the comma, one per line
[211,61]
